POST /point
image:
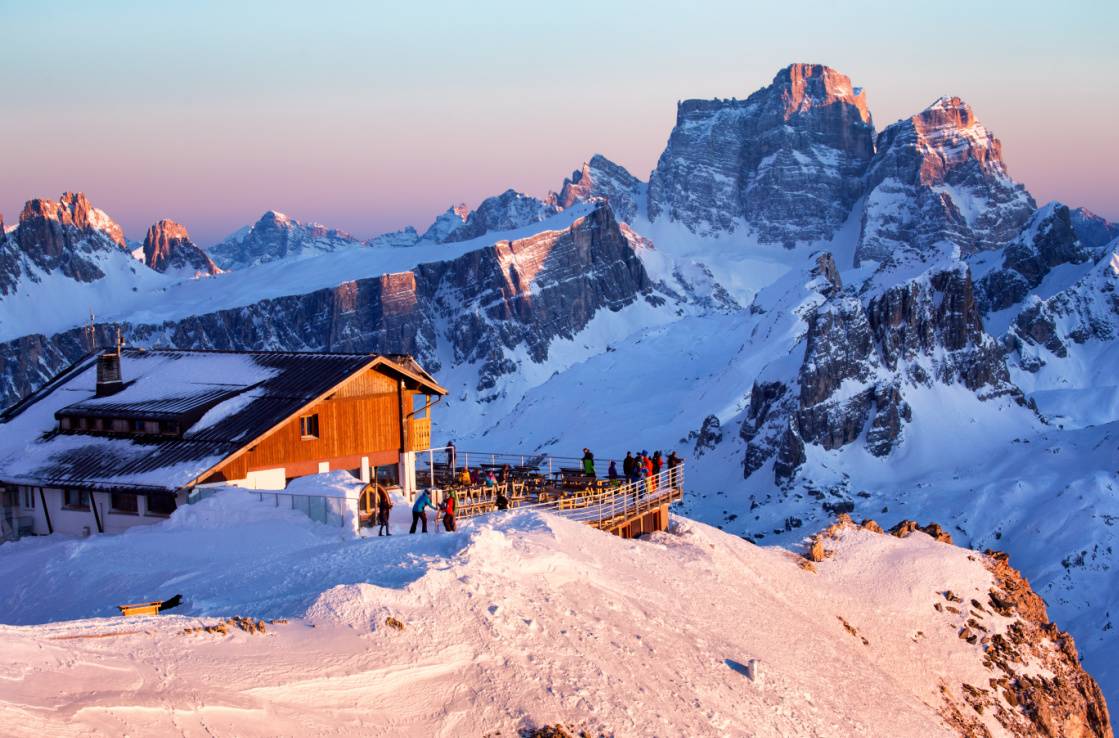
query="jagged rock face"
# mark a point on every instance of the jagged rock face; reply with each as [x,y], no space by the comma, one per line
[938,181]
[858,360]
[276,236]
[485,305]
[1092,231]
[1087,311]
[504,212]
[789,160]
[447,223]
[1049,240]
[168,248]
[69,236]
[602,179]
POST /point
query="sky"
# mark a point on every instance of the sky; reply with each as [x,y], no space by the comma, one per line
[372,116]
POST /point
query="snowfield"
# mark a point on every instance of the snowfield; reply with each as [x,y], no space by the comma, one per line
[512,622]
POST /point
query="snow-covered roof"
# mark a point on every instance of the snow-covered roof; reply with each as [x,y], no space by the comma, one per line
[224,400]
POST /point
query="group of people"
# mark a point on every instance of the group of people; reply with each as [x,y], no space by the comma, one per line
[419,511]
[646,466]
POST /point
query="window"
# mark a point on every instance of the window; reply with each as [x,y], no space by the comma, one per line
[82,423]
[98,424]
[75,498]
[120,425]
[161,504]
[64,424]
[169,427]
[124,502]
[309,426]
[28,497]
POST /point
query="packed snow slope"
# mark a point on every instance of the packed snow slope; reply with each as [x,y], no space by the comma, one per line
[511,623]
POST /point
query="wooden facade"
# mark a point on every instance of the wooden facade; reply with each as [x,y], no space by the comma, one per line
[370,415]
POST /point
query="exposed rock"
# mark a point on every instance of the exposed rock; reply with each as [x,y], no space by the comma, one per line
[69,237]
[504,212]
[788,160]
[710,435]
[276,236]
[1092,231]
[937,183]
[406,236]
[512,298]
[446,223]
[1047,242]
[602,179]
[906,527]
[168,248]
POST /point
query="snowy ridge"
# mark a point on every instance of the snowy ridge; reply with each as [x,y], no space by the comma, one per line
[536,600]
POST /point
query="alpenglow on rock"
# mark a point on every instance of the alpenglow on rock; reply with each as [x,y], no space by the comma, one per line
[789,160]
[602,179]
[936,184]
[68,236]
[168,248]
[276,236]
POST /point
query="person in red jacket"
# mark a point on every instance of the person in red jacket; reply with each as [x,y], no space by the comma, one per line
[449,512]
[650,480]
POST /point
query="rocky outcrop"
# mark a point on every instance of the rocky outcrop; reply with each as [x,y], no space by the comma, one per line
[504,212]
[168,248]
[483,308]
[858,360]
[788,161]
[938,185]
[1048,241]
[602,179]
[406,236]
[68,236]
[446,223]
[1088,311]
[276,236]
[1093,231]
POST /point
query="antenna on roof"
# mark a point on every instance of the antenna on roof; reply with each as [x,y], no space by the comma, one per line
[91,333]
[120,341]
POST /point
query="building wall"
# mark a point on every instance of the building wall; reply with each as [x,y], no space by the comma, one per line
[73,521]
[360,419]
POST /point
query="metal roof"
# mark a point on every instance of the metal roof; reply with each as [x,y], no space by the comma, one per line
[228,398]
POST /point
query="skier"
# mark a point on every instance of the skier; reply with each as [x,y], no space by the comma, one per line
[384,505]
[419,513]
[449,512]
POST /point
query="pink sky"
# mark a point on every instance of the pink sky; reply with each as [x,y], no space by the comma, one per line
[370,118]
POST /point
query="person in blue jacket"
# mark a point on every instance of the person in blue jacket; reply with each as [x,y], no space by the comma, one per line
[419,510]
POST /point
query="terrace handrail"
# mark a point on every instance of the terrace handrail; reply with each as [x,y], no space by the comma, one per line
[600,506]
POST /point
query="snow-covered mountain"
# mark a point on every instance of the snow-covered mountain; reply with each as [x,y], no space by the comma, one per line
[276,236]
[823,318]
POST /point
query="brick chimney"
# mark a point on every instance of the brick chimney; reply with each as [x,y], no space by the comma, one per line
[109,380]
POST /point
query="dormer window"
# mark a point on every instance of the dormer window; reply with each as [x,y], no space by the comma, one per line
[309,427]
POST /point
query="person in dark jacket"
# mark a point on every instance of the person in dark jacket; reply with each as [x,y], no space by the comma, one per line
[384,506]
[588,462]
[673,462]
[612,472]
[656,462]
[449,512]
[451,456]
[419,510]
[501,501]
[628,464]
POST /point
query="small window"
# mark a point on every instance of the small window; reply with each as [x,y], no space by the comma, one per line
[169,427]
[83,423]
[162,505]
[309,426]
[124,502]
[120,425]
[151,426]
[76,498]
[98,424]
[137,426]
[64,424]
[28,497]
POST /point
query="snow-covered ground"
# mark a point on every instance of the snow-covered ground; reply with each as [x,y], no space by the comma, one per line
[514,621]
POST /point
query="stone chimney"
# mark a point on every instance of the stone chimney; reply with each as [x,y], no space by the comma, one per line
[109,380]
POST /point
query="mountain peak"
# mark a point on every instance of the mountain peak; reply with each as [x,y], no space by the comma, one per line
[167,247]
[807,86]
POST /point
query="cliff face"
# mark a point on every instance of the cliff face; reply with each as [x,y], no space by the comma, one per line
[68,236]
[168,248]
[859,359]
[484,307]
[602,179]
[937,184]
[788,160]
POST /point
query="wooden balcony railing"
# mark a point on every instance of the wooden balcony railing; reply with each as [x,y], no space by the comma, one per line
[419,434]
